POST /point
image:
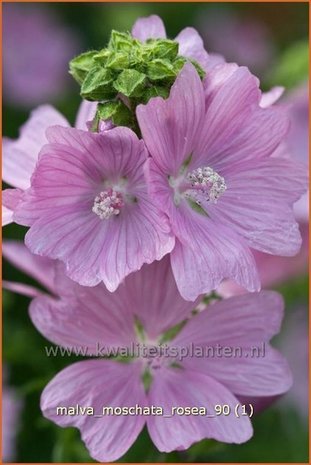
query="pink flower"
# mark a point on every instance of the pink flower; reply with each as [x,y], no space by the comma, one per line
[36,51]
[94,319]
[212,173]
[190,42]
[88,206]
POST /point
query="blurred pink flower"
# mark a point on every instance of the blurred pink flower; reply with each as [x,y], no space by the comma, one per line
[294,344]
[243,40]
[76,317]
[36,50]
[211,172]
[11,407]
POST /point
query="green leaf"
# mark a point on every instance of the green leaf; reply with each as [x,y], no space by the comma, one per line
[160,69]
[130,83]
[81,65]
[97,85]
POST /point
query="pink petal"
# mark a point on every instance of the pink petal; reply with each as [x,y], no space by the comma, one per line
[20,156]
[181,388]
[23,289]
[155,298]
[150,27]
[272,96]
[263,376]
[235,127]
[258,204]
[40,268]
[98,383]
[92,318]
[7,216]
[169,127]
[11,198]
[205,254]
[241,320]
[85,114]
[191,46]
[246,324]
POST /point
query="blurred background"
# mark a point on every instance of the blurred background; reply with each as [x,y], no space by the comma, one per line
[38,41]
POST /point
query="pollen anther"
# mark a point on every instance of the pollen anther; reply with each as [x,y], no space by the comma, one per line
[108,203]
[207,185]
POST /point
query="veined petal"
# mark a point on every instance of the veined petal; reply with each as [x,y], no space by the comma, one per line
[258,204]
[150,27]
[40,268]
[187,388]
[93,319]
[23,289]
[169,127]
[272,96]
[205,254]
[243,325]
[86,113]
[20,156]
[98,384]
[191,46]
[241,320]
[155,298]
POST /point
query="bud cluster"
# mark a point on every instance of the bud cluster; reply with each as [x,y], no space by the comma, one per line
[125,73]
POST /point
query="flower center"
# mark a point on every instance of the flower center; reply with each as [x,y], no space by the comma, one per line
[108,203]
[206,185]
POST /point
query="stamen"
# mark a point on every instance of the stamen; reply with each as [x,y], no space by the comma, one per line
[207,183]
[107,204]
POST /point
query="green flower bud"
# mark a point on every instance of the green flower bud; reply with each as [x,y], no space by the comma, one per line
[81,65]
[160,69]
[130,83]
[97,85]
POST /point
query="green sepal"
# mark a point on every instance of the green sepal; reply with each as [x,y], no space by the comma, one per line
[199,68]
[81,65]
[163,48]
[97,85]
[146,378]
[121,41]
[102,56]
[155,91]
[172,332]
[118,61]
[196,207]
[130,83]
[160,69]
[115,111]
